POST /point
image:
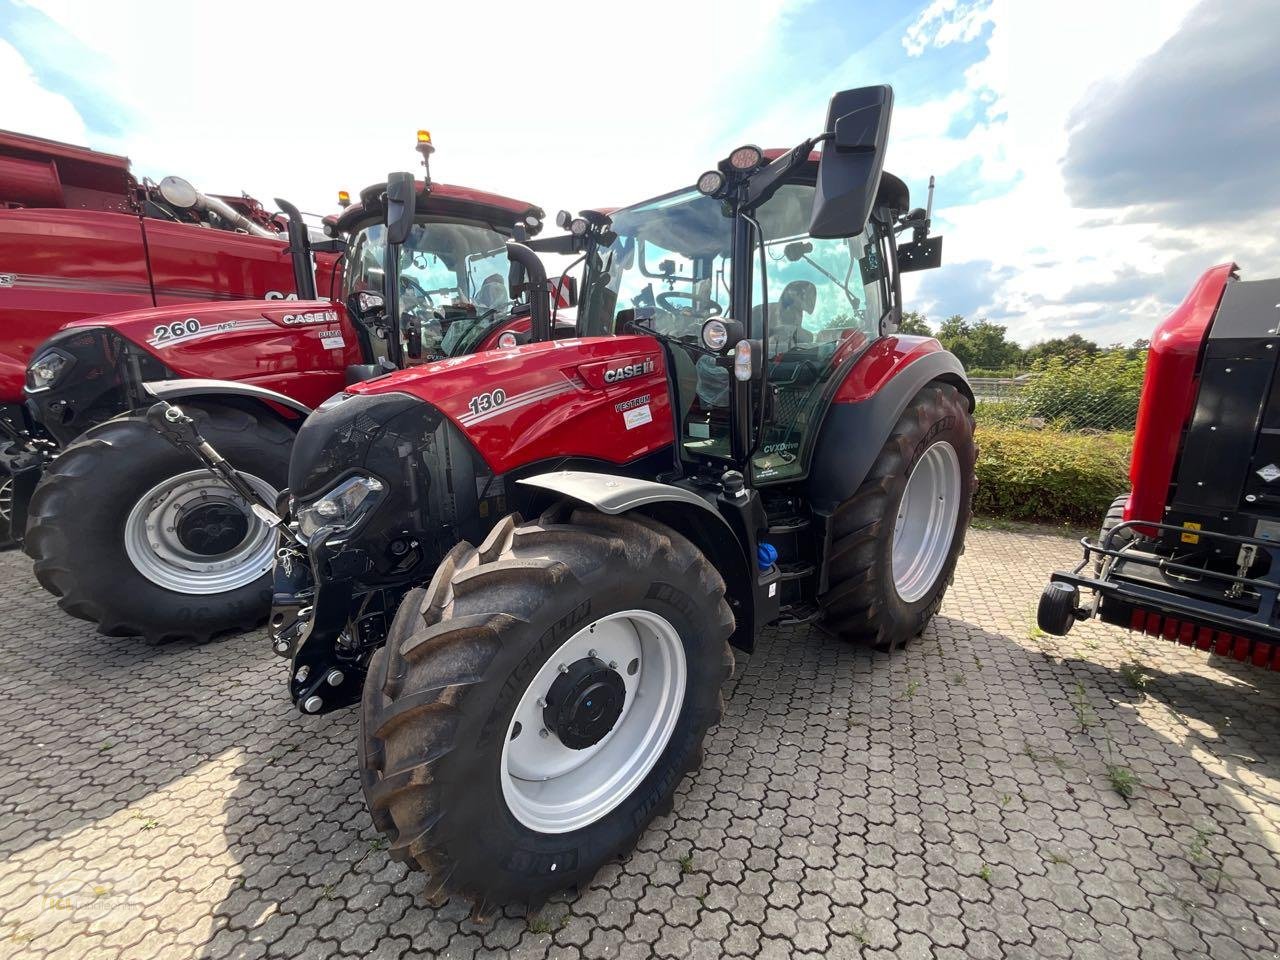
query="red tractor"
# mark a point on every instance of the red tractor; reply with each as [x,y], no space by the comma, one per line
[120,526]
[736,437]
[79,237]
[1192,553]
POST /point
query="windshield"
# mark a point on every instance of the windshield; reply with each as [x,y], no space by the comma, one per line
[453,280]
[671,255]
[826,299]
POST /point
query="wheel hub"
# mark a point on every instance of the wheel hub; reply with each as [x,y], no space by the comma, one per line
[212,529]
[584,703]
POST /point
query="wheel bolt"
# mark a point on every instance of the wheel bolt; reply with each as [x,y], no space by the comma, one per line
[613,664]
[591,653]
[544,733]
[542,702]
[562,668]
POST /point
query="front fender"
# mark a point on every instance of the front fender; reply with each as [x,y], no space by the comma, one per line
[866,408]
[173,390]
[693,516]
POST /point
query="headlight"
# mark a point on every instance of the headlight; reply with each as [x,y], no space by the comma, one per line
[43,372]
[342,507]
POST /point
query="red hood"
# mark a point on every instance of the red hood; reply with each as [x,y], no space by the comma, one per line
[273,310]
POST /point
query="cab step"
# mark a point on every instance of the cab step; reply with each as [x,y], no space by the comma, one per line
[798,615]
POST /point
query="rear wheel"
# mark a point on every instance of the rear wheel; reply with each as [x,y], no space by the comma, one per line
[538,704]
[133,535]
[895,542]
[1113,519]
[6,511]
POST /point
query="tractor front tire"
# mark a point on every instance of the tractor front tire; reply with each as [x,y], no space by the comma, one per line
[917,496]
[137,537]
[539,702]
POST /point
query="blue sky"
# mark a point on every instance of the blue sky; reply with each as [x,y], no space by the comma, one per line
[1092,157]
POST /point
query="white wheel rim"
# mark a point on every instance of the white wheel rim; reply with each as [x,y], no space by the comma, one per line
[154,541]
[6,499]
[926,521]
[552,788]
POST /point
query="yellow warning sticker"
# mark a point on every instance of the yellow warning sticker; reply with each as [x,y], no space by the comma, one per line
[1190,537]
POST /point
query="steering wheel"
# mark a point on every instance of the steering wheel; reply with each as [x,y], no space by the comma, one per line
[713,309]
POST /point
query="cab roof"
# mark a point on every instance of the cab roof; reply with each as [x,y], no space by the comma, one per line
[438,200]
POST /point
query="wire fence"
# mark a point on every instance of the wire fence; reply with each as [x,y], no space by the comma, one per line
[1084,392]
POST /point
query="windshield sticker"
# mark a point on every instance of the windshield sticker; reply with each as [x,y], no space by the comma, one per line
[637,417]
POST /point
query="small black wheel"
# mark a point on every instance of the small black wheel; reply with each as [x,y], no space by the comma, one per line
[136,536]
[895,542]
[538,704]
[1056,613]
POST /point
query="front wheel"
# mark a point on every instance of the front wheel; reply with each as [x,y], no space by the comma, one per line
[538,704]
[134,535]
[895,542]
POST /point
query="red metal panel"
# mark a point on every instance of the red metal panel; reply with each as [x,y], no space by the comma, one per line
[1261,654]
[1204,639]
[58,266]
[190,262]
[1169,394]
[883,361]
[546,408]
[300,348]
[31,183]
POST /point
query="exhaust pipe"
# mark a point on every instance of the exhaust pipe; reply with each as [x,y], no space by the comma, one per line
[181,194]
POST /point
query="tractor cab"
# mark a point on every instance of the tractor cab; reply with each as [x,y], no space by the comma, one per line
[668,271]
[453,280]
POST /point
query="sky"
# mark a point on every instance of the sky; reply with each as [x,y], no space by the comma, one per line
[1092,158]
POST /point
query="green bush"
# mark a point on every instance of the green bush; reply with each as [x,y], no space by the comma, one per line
[1098,392]
[1049,476]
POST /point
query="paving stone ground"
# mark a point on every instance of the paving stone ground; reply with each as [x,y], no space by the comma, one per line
[958,799]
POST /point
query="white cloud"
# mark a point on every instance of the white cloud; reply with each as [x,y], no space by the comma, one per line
[27,107]
[945,22]
[594,105]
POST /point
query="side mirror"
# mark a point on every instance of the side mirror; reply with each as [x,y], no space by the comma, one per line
[852,161]
[400,206]
[564,290]
[413,336]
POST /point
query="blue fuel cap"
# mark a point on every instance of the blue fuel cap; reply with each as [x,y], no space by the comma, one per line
[766,555]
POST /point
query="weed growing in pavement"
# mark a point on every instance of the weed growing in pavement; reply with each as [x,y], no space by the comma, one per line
[105,747]
[985,873]
[327,893]
[686,863]
[1054,857]
[1083,711]
[1135,675]
[1198,848]
[379,843]
[958,678]
[1005,799]
[1122,779]
[911,688]
[148,823]
[540,924]
[860,934]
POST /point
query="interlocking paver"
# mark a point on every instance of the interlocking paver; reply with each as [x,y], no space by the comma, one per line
[951,801]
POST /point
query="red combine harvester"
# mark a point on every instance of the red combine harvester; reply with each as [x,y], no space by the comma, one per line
[81,237]
[1192,553]
[736,437]
[179,553]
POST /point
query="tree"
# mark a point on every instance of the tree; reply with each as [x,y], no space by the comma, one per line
[980,344]
[915,324]
[1069,346]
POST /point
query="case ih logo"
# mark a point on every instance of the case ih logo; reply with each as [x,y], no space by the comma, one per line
[618,374]
[318,316]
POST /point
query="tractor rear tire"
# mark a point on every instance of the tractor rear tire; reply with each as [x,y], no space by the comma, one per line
[864,601]
[7,539]
[471,763]
[135,536]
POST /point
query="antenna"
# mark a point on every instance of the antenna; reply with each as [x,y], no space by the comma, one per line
[928,210]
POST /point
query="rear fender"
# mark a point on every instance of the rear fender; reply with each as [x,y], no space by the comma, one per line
[284,408]
[866,408]
[678,508]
